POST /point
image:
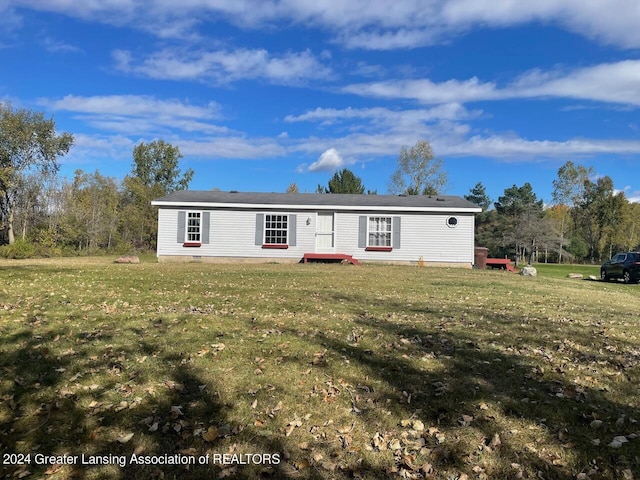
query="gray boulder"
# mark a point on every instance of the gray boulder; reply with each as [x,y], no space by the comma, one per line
[529,271]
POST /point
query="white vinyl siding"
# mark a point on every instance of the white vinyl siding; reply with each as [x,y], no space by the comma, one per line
[421,235]
[234,234]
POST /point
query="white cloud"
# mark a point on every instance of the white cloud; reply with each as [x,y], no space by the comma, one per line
[330,160]
[139,114]
[92,148]
[514,148]
[611,21]
[608,82]
[133,105]
[426,91]
[369,24]
[118,147]
[233,147]
[53,45]
[384,116]
[222,66]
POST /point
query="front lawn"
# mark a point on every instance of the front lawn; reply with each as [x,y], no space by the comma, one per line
[315,371]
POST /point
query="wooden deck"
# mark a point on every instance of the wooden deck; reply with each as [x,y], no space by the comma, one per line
[329,257]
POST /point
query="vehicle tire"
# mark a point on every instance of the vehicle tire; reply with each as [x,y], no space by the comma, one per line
[603,276]
[626,276]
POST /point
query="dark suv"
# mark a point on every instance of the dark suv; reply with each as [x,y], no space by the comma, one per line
[623,265]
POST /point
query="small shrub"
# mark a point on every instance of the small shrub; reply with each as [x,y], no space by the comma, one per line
[19,250]
[46,242]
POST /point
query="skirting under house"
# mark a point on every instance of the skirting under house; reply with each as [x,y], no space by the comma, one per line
[214,226]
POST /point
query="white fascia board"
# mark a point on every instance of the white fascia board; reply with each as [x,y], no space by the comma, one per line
[333,208]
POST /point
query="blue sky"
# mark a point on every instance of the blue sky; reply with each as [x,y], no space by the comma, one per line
[261,93]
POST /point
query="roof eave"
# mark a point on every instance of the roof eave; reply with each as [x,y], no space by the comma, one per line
[263,206]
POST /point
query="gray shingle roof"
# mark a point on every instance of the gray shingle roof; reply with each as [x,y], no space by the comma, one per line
[186,197]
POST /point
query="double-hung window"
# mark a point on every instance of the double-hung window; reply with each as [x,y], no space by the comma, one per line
[194,226]
[275,229]
[379,232]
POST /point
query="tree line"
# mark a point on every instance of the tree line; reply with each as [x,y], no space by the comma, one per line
[44,214]
[588,220]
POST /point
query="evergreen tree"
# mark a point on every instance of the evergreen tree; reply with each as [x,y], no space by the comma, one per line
[343,181]
[478,196]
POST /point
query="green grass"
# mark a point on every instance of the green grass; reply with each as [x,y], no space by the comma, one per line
[344,372]
[561,271]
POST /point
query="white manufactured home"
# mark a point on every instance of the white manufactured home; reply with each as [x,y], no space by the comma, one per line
[284,227]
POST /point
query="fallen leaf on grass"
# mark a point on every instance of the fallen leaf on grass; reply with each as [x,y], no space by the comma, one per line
[394,444]
[211,434]
[276,409]
[411,423]
[228,472]
[125,437]
[345,441]
[53,469]
[66,392]
[174,385]
[192,452]
[465,420]
[292,425]
[618,441]
[329,465]
[346,429]
[301,464]
[379,442]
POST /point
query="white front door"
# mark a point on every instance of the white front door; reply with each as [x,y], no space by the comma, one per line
[324,233]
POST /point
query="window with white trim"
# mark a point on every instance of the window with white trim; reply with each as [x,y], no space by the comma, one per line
[275,229]
[194,224]
[379,232]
